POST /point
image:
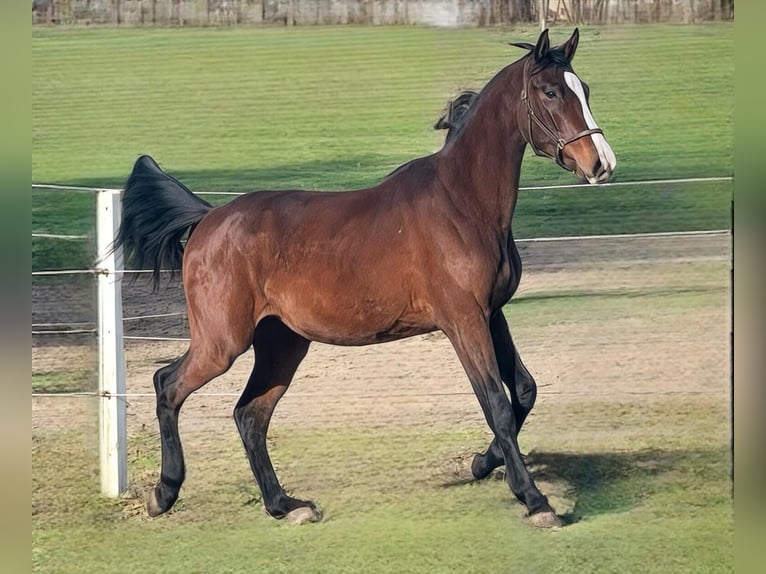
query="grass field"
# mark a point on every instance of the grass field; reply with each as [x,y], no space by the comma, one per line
[628,339]
[662,504]
[338,108]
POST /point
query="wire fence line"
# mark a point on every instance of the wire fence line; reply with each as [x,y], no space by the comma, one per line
[647,235]
[85,323]
[342,396]
[63,237]
[86,328]
[701,233]
[55,186]
[66,331]
[95,270]
[155,316]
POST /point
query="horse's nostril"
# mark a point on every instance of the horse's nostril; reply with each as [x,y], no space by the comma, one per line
[598,169]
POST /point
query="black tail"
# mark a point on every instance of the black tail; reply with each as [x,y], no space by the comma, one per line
[157,211]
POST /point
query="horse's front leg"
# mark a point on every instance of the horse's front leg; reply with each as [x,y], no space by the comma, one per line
[471,338]
[519,382]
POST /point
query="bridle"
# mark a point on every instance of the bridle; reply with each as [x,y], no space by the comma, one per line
[561,143]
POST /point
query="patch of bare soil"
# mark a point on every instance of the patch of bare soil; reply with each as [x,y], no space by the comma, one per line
[419,381]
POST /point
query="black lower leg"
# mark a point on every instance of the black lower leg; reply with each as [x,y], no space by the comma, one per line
[521,385]
[252,424]
[484,463]
[278,352]
[173,471]
[519,480]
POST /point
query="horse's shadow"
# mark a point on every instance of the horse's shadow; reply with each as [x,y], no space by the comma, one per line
[590,484]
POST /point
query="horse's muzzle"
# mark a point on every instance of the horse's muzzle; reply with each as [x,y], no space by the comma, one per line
[601,173]
[604,166]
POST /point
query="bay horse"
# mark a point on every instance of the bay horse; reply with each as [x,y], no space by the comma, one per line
[428,248]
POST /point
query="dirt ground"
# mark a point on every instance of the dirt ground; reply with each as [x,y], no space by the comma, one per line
[418,381]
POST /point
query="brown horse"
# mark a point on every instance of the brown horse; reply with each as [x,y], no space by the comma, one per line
[428,248]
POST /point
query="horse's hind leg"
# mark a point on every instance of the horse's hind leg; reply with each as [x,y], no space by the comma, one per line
[172,474]
[173,384]
[278,352]
[522,387]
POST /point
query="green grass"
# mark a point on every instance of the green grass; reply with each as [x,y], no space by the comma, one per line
[392,505]
[628,209]
[338,108]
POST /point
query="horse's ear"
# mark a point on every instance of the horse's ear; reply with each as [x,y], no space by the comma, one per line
[523,45]
[570,46]
[542,46]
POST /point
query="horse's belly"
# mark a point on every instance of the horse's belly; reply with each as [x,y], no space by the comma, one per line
[343,320]
[365,337]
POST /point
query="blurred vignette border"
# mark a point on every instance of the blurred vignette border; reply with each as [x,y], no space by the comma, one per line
[15,149]
[749,321]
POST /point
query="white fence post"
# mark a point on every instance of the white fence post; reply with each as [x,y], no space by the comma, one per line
[112,427]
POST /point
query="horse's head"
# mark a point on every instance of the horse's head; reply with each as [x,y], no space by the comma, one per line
[555,109]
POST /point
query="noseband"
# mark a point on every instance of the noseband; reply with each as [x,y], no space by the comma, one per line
[561,143]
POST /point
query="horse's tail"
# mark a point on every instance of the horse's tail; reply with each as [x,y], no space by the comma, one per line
[157,212]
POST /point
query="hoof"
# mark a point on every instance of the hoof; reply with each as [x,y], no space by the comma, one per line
[153,507]
[160,500]
[479,467]
[547,519]
[302,515]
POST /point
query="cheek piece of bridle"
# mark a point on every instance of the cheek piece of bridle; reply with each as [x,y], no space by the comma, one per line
[560,142]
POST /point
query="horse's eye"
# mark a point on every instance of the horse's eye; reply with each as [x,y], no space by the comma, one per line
[550,94]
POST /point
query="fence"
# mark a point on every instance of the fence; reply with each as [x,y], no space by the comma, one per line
[376,12]
[110,319]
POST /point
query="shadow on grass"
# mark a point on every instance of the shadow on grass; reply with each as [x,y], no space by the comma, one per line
[603,483]
[614,293]
[611,482]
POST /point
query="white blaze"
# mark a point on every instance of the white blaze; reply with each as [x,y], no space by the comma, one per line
[605,153]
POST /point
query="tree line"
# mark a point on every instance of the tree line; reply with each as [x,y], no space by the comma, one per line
[374,12]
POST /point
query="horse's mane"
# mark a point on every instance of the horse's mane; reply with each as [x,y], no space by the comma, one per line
[451,120]
[456,113]
[459,109]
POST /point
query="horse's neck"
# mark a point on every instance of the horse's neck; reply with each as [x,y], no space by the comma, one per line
[484,160]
